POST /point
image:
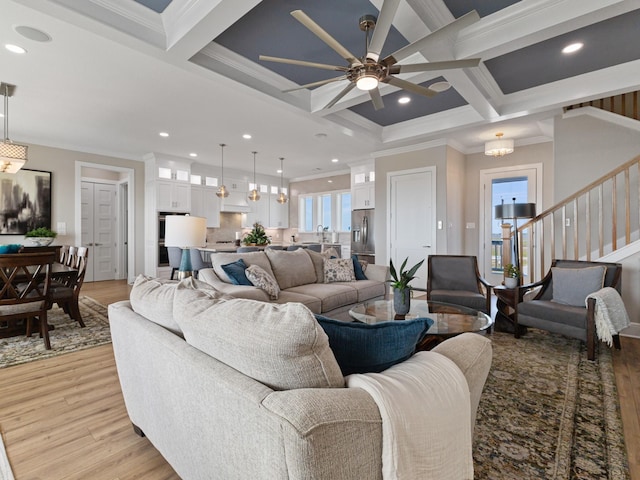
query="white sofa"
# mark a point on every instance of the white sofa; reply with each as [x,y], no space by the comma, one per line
[300,276]
[238,389]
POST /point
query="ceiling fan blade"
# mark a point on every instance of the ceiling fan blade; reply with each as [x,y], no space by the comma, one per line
[434,37]
[318,31]
[302,63]
[383,24]
[316,84]
[433,66]
[376,99]
[410,87]
[346,90]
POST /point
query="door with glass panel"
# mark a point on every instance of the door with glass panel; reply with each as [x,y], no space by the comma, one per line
[498,186]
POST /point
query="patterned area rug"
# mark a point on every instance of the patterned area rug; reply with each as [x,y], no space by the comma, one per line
[549,413]
[67,337]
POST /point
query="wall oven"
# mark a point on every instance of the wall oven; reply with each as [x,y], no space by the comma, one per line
[163,254]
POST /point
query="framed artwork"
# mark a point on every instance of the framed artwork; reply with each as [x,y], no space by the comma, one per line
[25,201]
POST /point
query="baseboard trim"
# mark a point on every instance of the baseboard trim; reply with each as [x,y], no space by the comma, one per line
[633,331]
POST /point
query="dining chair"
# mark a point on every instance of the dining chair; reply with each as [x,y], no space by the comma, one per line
[248,248]
[175,257]
[64,254]
[456,279]
[197,263]
[66,294]
[25,280]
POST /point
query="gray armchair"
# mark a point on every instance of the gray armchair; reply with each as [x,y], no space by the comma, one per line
[456,279]
[546,312]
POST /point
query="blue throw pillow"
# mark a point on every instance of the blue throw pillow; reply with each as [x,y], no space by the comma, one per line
[10,248]
[362,347]
[235,270]
[357,269]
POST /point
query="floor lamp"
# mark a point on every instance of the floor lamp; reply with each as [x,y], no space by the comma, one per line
[185,231]
[515,211]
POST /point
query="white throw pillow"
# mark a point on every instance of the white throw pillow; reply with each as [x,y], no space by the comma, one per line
[261,279]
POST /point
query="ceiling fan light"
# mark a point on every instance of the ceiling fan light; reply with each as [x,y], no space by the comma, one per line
[367,82]
[500,147]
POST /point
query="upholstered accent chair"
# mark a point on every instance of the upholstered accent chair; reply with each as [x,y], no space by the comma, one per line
[553,307]
[456,279]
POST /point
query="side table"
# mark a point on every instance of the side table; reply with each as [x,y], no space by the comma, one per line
[507,300]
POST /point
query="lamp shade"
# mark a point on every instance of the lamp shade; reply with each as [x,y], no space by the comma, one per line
[185,231]
[515,210]
[500,147]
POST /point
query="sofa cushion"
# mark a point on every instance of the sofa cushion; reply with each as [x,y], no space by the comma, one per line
[331,295]
[261,279]
[318,263]
[361,347]
[366,289]
[291,268]
[281,346]
[312,303]
[571,286]
[249,258]
[338,270]
[236,272]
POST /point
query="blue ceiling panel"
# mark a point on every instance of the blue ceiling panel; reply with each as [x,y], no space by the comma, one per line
[484,7]
[544,62]
[419,106]
[157,6]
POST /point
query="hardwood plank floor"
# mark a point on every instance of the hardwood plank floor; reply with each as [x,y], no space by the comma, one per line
[70,409]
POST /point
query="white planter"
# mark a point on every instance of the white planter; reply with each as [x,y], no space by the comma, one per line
[40,241]
[510,282]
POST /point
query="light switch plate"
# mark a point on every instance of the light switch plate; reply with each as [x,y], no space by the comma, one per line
[61,228]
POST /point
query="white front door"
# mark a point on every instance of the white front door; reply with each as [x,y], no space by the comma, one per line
[412,232]
[524,183]
[98,214]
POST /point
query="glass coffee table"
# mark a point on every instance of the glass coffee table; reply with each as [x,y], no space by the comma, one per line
[448,320]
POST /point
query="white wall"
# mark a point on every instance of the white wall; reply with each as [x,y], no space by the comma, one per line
[62,165]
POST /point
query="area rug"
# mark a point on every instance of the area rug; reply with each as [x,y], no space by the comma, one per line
[548,413]
[67,336]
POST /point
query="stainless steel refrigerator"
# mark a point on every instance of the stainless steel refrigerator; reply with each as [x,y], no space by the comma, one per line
[362,233]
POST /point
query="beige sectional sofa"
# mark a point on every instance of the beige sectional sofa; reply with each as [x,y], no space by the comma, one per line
[239,389]
[300,275]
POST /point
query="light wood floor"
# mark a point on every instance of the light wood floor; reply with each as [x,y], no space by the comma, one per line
[64,417]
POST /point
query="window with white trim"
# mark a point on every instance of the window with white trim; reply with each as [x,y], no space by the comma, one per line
[332,210]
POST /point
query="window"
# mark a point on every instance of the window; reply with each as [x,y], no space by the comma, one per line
[196,179]
[211,181]
[332,210]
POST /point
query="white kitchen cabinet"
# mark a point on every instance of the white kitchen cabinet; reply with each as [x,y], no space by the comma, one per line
[205,203]
[364,195]
[173,196]
[278,213]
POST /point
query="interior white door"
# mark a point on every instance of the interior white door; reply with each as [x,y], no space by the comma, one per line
[497,185]
[411,219]
[98,229]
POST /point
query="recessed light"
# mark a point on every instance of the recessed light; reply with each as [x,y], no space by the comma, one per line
[163,134]
[246,136]
[320,136]
[15,48]
[330,181]
[335,160]
[440,86]
[403,100]
[279,171]
[572,48]
[193,154]
[32,33]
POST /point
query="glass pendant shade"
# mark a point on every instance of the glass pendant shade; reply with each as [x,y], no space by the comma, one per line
[222,191]
[500,147]
[282,197]
[254,195]
[13,156]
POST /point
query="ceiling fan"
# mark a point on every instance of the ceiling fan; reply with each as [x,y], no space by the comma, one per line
[367,72]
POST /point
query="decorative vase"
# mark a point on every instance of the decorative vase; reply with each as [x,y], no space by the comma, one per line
[401,300]
[41,241]
[511,282]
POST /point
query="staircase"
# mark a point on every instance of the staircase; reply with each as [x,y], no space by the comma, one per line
[600,219]
[625,104]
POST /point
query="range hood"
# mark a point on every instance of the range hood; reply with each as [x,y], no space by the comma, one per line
[236,202]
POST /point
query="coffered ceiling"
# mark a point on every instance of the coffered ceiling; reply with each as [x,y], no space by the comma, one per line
[117,72]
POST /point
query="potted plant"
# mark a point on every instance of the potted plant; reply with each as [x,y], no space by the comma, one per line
[41,236]
[511,275]
[257,236]
[400,282]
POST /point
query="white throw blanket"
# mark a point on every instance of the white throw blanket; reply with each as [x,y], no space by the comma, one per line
[610,314]
[424,403]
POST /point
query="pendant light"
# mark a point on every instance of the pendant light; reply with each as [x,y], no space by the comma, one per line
[222,191]
[254,195]
[12,155]
[282,197]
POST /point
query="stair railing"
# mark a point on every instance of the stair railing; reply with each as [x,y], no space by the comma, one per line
[598,219]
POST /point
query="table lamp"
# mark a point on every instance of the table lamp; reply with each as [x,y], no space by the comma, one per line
[185,231]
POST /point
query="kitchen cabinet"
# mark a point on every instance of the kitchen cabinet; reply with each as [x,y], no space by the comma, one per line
[173,196]
[278,213]
[363,196]
[205,203]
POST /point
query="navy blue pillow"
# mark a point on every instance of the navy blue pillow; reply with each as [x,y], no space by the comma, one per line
[357,269]
[235,270]
[362,347]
